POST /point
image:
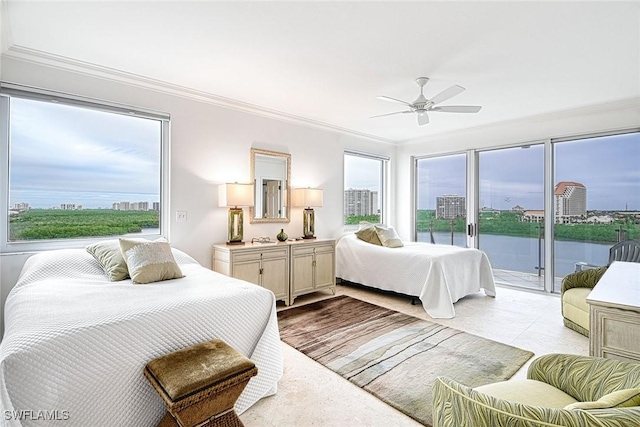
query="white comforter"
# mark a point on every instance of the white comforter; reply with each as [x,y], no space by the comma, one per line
[438,274]
[75,344]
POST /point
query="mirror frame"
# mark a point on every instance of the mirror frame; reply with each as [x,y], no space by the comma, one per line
[287,199]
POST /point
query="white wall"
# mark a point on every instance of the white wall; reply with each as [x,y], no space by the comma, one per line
[211,145]
[613,116]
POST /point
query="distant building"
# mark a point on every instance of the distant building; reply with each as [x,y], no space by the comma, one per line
[134,206]
[450,206]
[21,206]
[517,208]
[532,216]
[570,201]
[360,202]
[68,206]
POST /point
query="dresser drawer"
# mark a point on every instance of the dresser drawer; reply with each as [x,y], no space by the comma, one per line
[266,253]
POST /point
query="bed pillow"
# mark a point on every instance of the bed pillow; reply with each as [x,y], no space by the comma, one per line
[617,399]
[388,237]
[367,233]
[149,261]
[109,256]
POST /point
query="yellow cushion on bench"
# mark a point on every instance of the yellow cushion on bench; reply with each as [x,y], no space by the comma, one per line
[187,371]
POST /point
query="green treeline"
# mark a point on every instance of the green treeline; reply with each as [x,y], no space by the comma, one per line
[509,224]
[356,219]
[41,224]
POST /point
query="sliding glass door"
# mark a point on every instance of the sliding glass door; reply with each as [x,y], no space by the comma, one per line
[441,187]
[539,211]
[596,199]
[511,213]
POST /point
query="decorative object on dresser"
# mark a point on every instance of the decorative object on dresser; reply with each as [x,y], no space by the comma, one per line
[282,236]
[235,196]
[614,313]
[308,198]
[288,269]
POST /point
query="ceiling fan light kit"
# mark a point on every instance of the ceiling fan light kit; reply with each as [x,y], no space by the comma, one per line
[421,106]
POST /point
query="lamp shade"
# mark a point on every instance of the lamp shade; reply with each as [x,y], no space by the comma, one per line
[307,197]
[232,195]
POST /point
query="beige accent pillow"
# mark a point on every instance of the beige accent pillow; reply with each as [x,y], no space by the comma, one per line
[109,255]
[388,237]
[367,233]
[617,399]
[149,261]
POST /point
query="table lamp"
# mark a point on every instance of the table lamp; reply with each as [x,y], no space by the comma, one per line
[235,196]
[307,198]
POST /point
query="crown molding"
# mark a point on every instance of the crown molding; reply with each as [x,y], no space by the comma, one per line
[5,27]
[621,104]
[85,68]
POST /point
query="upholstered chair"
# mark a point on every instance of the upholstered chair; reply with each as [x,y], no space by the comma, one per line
[560,390]
[577,286]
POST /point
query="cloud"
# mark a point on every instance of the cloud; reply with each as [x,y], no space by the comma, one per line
[58,147]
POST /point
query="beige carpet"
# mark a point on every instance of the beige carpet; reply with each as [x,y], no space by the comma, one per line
[394,356]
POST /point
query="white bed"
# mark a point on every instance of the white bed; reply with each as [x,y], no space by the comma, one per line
[438,274]
[76,343]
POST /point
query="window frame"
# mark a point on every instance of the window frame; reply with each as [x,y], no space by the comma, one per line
[384,171]
[9,90]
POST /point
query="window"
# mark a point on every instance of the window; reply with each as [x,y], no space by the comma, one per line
[539,211]
[364,188]
[79,169]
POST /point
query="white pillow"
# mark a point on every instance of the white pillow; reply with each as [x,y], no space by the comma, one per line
[149,261]
[388,237]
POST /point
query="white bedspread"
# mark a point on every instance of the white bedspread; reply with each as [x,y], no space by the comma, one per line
[438,274]
[77,344]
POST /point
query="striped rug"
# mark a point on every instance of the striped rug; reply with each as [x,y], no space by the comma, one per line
[394,356]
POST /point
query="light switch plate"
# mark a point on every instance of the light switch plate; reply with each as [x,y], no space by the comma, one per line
[181,216]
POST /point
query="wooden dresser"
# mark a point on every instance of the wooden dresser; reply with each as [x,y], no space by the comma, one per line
[288,269]
[614,313]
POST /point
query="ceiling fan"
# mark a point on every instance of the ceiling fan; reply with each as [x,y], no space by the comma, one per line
[423,105]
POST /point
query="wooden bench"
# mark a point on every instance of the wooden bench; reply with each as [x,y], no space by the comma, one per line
[200,384]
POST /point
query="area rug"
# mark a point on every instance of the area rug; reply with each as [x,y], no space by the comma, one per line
[394,356]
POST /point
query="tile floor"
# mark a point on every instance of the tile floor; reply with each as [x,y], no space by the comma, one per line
[312,395]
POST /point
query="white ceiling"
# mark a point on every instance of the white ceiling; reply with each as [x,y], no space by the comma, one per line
[327,61]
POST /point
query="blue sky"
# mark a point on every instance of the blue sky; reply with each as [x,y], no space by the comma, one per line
[63,154]
[609,167]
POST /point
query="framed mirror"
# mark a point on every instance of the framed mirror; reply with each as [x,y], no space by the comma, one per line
[271,174]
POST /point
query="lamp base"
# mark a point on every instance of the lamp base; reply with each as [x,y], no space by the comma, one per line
[308,237]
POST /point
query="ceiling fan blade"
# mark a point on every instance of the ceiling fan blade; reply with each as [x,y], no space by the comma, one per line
[390,114]
[423,119]
[447,93]
[397,101]
[457,109]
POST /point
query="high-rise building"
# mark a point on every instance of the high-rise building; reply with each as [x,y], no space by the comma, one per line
[360,202]
[450,206]
[21,206]
[156,206]
[570,201]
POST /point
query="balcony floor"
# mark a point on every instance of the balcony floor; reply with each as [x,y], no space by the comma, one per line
[520,279]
